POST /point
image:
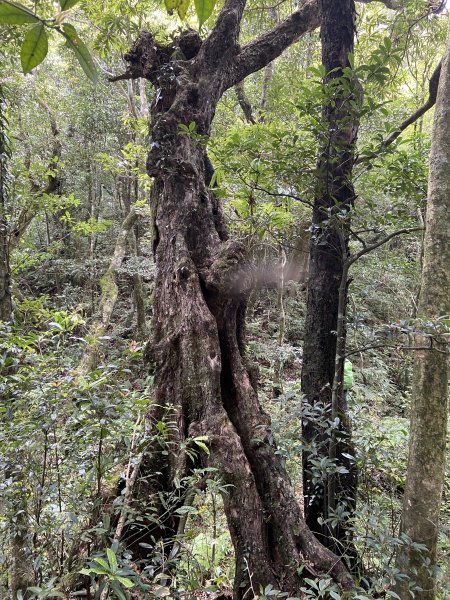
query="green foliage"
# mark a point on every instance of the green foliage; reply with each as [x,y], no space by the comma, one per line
[204,9]
[35,44]
[67,4]
[76,44]
[13,13]
[49,590]
[115,577]
[66,436]
[180,6]
[34,47]
[91,226]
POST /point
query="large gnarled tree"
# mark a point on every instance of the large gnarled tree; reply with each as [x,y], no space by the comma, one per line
[200,297]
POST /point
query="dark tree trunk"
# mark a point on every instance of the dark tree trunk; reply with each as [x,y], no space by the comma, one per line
[5,271]
[202,282]
[328,252]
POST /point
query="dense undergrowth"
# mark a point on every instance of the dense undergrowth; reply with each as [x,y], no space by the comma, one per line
[71,439]
[68,439]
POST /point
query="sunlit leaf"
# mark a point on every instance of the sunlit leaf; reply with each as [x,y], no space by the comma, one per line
[81,51]
[102,562]
[203,446]
[170,5]
[112,560]
[66,4]
[204,9]
[182,7]
[16,14]
[127,583]
[34,47]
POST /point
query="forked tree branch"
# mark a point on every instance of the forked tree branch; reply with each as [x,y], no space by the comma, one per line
[432,95]
[380,242]
[224,35]
[260,52]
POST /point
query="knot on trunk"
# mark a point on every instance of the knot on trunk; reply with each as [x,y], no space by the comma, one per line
[230,273]
[146,55]
[189,43]
[141,57]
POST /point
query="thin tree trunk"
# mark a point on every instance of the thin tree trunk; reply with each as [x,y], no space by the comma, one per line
[109,294]
[328,253]
[138,293]
[5,271]
[278,366]
[138,288]
[21,575]
[429,407]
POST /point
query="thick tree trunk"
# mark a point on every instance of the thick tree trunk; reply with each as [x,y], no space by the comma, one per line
[199,310]
[429,408]
[328,252]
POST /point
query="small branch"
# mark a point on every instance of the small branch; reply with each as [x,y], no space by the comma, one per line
[433,88]
[260,52]
[392,4]
[131,74]
[244,103]
[254,186]
[368,248]
[395,347]
[109,294]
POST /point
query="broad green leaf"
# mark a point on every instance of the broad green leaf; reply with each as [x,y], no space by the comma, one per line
[34,47]
[118,592]
[127,583]
[203,446]
[66,4]
[101,571]
[204,8]
[102,562]
[112,560]
[82,53]
[182,7]
[170,5]
[16,14]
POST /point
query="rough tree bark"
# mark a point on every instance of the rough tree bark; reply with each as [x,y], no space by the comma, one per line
[328,252]
[429,407]
[5,272]
[199,303]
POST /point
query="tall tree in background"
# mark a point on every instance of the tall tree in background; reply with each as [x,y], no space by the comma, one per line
[429,408]
[5,279]
[328,252]
[199,302]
